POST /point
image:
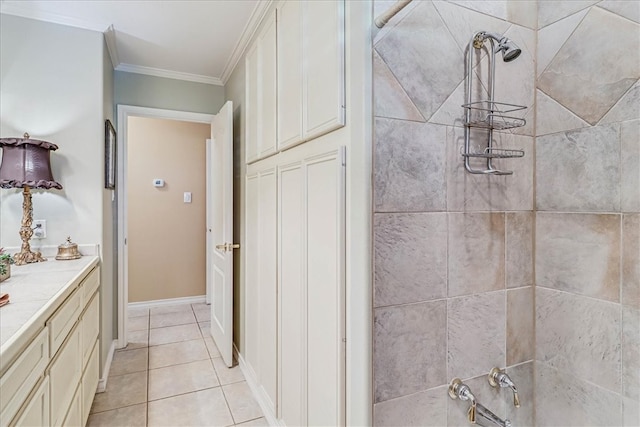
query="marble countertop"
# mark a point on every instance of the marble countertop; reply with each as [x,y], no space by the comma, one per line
[36,291]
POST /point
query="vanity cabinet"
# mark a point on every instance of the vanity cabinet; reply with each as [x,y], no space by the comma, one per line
[53,380]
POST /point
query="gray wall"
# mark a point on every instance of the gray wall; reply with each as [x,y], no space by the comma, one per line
[169,94]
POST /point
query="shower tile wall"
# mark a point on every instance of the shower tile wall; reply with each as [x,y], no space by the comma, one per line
[453,256]
[588,214]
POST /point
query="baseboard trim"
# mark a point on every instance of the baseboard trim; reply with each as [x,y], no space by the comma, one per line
[256,390]
[102,384]
[170,301]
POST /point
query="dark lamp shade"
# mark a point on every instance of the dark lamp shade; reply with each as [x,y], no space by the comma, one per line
[26,163]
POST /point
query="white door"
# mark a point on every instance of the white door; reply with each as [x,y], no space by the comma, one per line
[220,264]
[209,240]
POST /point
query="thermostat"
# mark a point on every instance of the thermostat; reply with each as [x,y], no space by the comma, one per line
[158,182]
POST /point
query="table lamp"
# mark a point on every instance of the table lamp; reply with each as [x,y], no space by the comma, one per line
[25,164]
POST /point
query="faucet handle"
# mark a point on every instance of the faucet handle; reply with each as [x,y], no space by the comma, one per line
[459,390]
[499,378]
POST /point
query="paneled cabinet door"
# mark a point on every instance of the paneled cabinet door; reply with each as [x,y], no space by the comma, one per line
[323,89]
[36,413]
[290,74]
[260,74]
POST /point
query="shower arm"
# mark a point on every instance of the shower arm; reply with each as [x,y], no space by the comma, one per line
[384,17]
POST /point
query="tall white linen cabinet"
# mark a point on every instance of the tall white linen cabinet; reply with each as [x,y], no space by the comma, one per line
[294,242]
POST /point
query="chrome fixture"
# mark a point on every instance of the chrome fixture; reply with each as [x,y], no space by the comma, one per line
[384,17]
[477,413]
[491,115]
[509,49]
[499,378]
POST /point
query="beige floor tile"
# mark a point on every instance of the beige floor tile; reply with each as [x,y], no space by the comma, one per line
[137,339]
[212,347]
[180,379]
[138,324]
[202,312]
[174,334]
[259,422]
[123,390]
[172,319]
[165,309]
[134,416]
[137,312]
[241,402]
[227,375]
[205,329]
[203,408]
[129,361]
[177,353]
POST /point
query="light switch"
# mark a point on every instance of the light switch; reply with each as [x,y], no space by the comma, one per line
[187,197]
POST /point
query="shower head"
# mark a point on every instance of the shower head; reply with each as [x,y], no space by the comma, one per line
[509,49]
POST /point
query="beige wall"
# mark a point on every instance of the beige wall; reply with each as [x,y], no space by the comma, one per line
[166,236]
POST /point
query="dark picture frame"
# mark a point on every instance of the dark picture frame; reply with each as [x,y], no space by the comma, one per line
[109,155]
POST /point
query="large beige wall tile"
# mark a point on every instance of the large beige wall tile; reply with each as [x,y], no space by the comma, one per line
[409,349]
[424,57]
[523,377]
[409,166]
[467,192]
[630,412]
[552,117]
[563,400]
[589,81]
[580,336]
[410,260]
[476,253]
[631,260]
[628,9]
[519,244]
[520,332]
[630,167]
[552,37]
[476,334]
[631,353]
[579,253]
[627,108]
[391,100]
[579,170]
[550,11]
[425,408]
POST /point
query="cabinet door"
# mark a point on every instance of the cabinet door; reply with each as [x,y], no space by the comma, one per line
[64,375]
[324,67]
[267,87]
[252,260]
[36,413]
[251,108]
[289,72]
[90,324]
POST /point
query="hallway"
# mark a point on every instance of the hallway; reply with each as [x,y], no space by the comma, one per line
[171,374]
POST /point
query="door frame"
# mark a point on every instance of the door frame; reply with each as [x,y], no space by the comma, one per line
[124,112]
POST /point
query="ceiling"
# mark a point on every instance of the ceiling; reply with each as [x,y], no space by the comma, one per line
[195,40]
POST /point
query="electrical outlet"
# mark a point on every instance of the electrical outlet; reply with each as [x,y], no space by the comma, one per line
[39,229]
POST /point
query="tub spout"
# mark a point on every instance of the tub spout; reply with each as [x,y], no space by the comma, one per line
[486,418]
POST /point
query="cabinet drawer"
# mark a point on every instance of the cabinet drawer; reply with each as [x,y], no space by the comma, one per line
[18,381]
[36,412]
[74,416]
[90,328]
[63,320]
[90,382]
[64,375]
[90,284]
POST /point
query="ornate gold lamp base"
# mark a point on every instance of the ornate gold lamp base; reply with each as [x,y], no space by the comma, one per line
[26,256]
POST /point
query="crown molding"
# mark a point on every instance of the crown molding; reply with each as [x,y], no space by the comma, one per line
[110,40]
[176,75]
[17,9]
[255,19]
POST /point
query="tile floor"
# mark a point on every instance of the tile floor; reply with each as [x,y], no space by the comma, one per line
[171,374]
